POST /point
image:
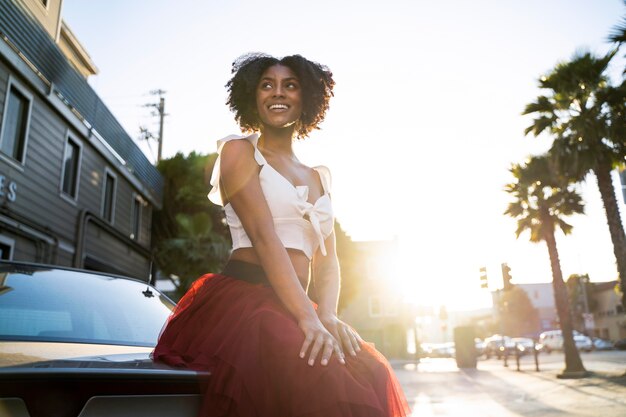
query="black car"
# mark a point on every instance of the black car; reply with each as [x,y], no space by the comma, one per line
[77,342]
[620,344]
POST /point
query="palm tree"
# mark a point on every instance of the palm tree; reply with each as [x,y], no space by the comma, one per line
[618,34]
[541,199]
[584,115]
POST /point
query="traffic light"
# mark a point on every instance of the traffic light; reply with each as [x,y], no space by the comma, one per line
[506,277]
[484,282]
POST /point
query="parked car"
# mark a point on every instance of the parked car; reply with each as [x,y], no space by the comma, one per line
[525,345]
[76,342]
[438,350]
[583,342]
[602,344]
[620,344]
[553,340]
[496,345]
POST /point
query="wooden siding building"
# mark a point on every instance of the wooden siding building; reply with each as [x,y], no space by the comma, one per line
[75,190]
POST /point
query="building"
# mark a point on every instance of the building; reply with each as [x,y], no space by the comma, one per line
[75,190]
[609,318]
[541,296]
[377,310]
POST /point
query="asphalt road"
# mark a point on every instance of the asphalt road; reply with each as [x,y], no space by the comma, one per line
[436,387]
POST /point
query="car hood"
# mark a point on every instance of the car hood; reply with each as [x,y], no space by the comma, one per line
[35,354]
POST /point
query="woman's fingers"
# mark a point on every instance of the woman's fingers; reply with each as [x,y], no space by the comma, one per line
[340,354]
[317,347]
[329,347]
[348,341]
[308,339]
[355,340]
[324,345]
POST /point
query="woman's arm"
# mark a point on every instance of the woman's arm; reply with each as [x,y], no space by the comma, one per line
[240,181]
[326,274]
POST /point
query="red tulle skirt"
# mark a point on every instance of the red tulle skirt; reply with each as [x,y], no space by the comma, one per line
[243,335]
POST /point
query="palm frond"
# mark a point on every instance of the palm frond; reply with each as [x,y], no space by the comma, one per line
[542,105]
[541,197]
[618,32]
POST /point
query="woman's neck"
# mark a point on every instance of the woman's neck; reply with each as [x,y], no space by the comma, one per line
[277,140]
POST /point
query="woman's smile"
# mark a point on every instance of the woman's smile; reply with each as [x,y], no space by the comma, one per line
[279,97]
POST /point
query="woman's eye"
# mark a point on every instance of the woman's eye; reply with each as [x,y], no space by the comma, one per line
[292,85]
[266,85]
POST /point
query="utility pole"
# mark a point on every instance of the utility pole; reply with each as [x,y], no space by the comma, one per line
[160,112]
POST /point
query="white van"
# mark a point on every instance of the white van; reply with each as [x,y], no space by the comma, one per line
[553,340]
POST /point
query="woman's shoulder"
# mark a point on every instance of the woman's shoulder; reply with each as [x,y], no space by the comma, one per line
[252,139]
[240,145]
[234,152]
[325,176]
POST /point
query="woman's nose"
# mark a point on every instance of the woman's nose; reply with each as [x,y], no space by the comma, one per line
[279,91]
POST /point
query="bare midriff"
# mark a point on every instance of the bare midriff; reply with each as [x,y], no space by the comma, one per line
[299,261]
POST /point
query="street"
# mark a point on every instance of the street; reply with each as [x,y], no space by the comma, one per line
[436,387]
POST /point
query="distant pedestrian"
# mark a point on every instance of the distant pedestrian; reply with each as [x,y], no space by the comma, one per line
[270,350]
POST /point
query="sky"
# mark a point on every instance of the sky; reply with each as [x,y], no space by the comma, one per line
[425,122]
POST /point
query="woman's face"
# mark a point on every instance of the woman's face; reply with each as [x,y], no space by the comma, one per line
[279,97]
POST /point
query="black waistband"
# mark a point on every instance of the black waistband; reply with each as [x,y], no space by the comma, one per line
[245,271]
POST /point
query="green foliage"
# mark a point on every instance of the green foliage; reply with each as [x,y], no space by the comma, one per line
[541,198]
[586,117]
[618,32]
[190,237]
[519,316]
[581,111]
[580,296]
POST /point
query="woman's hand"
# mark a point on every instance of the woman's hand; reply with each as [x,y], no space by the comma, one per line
[348,337]
[318,339]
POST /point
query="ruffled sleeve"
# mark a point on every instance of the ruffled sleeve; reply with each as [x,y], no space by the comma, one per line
[215,194]
[325,177]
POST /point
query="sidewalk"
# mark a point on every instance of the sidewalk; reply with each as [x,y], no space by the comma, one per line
[436,387]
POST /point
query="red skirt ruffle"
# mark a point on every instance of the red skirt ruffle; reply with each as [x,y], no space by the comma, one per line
[250,343]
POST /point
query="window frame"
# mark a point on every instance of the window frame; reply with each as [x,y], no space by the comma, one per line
[142,203]
[108,172]
[70,137]
[21,89]
[5,240]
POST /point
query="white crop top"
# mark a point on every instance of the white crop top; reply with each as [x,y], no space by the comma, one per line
[299,224]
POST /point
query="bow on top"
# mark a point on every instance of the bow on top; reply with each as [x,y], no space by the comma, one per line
[318,213]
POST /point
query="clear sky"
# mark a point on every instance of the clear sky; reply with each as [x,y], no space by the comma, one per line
[424,125]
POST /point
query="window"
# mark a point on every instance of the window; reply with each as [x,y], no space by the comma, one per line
[15,124]
[135,218]
[374,306]
[6,248]
[71,169]
[108,199]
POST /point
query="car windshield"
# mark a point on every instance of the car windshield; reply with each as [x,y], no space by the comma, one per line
[72,306]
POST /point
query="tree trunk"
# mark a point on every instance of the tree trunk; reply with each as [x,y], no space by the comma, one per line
[573,363]
[614,220]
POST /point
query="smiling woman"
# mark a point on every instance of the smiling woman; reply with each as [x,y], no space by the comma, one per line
[270,350]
